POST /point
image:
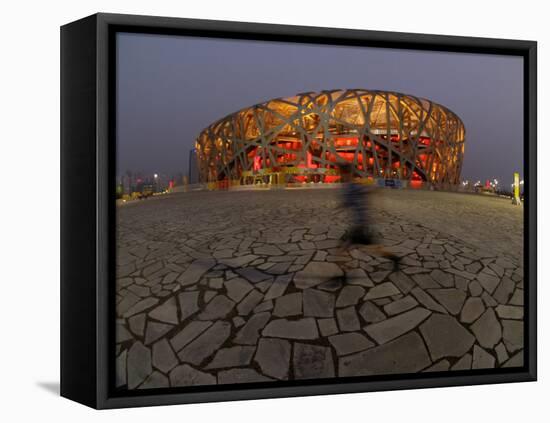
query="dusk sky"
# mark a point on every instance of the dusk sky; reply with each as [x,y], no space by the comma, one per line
[169,88]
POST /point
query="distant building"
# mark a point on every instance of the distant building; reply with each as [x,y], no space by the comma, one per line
[193,167]
[306,138]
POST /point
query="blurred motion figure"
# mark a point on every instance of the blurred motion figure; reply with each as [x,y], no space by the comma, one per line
[356,198]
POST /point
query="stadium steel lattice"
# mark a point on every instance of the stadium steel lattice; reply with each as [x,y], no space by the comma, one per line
[303,139]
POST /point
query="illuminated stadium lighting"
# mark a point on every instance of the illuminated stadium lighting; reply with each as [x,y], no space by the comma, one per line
[307,137]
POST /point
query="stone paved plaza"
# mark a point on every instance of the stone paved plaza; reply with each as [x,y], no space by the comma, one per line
[236,287]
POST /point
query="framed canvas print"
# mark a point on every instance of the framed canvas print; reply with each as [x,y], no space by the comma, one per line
[255,211]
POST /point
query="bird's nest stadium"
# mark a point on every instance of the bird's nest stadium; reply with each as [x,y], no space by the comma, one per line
[305,138]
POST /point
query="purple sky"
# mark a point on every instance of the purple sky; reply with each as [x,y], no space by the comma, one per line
[169,88]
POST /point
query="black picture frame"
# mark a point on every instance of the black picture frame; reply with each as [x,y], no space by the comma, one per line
[88,207]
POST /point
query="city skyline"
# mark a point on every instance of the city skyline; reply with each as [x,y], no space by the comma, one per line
[170,87]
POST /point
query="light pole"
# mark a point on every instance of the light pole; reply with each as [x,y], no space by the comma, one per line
[516,199]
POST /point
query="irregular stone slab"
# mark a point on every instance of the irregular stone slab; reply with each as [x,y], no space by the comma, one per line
[265,306]
[350,295]
[413,270]
[137,324]
[505,263]
[488,282]
[327,327]
[461,273]
[138,364]
[473,308]
[504,290]
[120,373]
[318,303]
[474,267]
[186,375]
[332,285]
[402,281]
[278,287]
[250,332]
[496,268]
[208,295]
[394,327]
[239,261]
[488,300]
[316,272]
[232,357]
[223,254]
[487,329]
[250,301]
[292,329]
[379,276]
[425,281]
[253,275]
[517,298]
[512,334]
[279,269]
[155,380]
[141,306]
[122,334]
[424,298]
[155,331]
[312,362]
[401,305]
[215,283]
[464,363]
[123,282]
[451,250]
[166,312]
[515,361]
[188,303]
[140,291]
[440,366]
[348,320]
[288,305]
[348,343]
[164,358]
[206,343]
[371,313]
[149,270]
[443,278]
[445,337]
[475,288]
[238,321]
[218,308]
[509,312]
[358,277]
[502,354]
[273,357]
[406,354]
[482,359]
[194,272]
[268,250]
[386,289]
[241,376]
[451,298]
[237,288]
[328,243]
[188,333]
[264,286]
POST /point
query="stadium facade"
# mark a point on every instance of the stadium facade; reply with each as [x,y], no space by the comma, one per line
[382,134]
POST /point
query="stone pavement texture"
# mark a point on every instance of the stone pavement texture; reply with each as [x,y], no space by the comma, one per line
[237,287]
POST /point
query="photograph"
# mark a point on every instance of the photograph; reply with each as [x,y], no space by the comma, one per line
[290,212]
[238,212]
